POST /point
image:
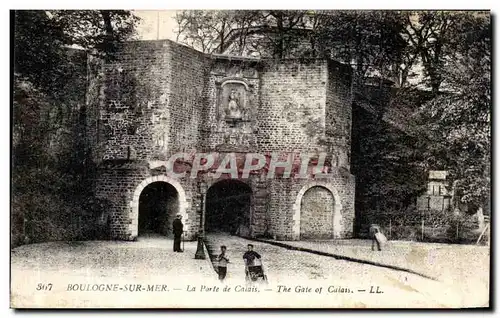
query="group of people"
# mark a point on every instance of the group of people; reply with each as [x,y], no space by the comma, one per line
[249,258]
[250,255]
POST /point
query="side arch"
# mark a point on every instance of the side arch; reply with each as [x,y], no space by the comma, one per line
[336,209]
[134,203]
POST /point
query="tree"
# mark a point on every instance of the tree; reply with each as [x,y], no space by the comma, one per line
[45,65]
[49,153]
[98,30]
[228,30]
[38,48]
[455,125]
[433,39]
[41,39]
[368,40]
[203,30]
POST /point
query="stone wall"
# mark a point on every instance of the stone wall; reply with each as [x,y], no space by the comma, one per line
[150,104]
[186,97]
[285,204]
[152,100]
[338,113]
[316,211]
[292,110]
[121,183]
[159,98]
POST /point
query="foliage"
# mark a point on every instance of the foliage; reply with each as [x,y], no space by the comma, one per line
[41,39]
[434,38]
[428,226]
[38,48]
[455,126]
[210,31]
[451,129]
[51,181]
[385,163]
[52,195]
[369,40]
[100,30]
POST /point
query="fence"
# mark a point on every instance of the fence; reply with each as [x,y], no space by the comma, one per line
[430,226]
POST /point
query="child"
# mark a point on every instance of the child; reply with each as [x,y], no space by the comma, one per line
[223,260]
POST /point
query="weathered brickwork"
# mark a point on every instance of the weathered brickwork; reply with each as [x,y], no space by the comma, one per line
[118,182]
[292,111]
[160,98]
[285,204]
[338,116]
[316,211]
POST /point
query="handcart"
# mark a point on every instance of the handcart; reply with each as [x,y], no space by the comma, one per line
[254,271]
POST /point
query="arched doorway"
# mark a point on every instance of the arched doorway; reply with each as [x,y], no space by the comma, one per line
[228,208]
[158,205]
[316,213]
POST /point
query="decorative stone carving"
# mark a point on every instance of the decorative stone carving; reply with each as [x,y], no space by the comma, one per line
[233,99]
[233,110]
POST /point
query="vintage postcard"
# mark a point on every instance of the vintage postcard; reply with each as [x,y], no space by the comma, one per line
[250,159]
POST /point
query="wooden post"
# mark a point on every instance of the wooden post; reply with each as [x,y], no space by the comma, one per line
[390,228]
[423,223]
[457,230]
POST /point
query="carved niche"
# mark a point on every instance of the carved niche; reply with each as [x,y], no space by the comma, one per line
[233,99]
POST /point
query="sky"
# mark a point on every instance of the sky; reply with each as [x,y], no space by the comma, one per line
[156,25]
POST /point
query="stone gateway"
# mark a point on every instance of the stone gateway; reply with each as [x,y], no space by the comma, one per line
[159,98]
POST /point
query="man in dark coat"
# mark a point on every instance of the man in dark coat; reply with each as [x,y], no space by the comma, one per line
[178,229]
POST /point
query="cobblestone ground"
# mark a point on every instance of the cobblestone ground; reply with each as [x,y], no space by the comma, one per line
[150,260]
[151,256]
[465,267]
[178,280]
[290,267]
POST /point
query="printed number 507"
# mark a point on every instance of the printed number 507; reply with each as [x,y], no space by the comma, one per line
[41,286]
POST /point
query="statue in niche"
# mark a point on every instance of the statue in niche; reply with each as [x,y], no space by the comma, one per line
[233,107]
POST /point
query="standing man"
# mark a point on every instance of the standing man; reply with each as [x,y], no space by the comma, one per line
[178,229]
[223,260]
